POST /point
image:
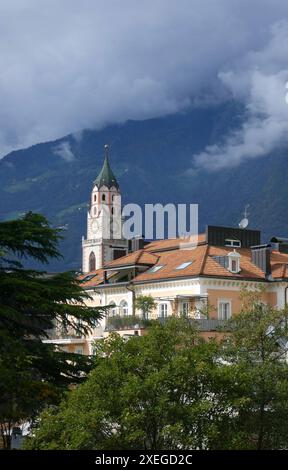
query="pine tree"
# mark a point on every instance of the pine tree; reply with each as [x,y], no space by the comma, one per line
[33,373]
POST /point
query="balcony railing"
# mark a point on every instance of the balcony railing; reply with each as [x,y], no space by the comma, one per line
[118,323]
[131,322]
[203,324]
[62,334]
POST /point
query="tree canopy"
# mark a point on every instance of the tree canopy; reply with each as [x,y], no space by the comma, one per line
[146,304]
[32,301]
[171,389]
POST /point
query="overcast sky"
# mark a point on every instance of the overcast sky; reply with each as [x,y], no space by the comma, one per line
[66,65]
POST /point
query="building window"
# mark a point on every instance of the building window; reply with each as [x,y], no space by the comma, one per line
[78,328]
[92,261]
[95,197]
[233,243]
[103,197]
[184,265]
[96,323]
[118,253]
[163,309]
[184,309]
[112,210]
[95,210]
[224,309]
[79,350]
[93,350]
[123,308]
[64,329]
[113,309]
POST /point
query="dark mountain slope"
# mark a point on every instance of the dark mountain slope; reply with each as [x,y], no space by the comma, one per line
[150,159]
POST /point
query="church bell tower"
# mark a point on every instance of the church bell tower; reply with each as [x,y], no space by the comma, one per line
[104,240]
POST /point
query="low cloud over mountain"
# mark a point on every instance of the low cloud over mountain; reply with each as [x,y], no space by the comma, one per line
[258,79]
[70,65]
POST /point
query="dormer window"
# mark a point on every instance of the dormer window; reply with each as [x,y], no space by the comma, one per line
[233,243]
[234,262]
[234,265]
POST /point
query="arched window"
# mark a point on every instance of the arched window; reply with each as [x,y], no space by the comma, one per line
[95,197]
[123,308]
[92,261]
[113,309]
[103,197]
[112,210]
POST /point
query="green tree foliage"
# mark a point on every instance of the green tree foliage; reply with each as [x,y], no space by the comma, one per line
[146,304]
[256,352]
[31,303]
[173,390]
[151,392]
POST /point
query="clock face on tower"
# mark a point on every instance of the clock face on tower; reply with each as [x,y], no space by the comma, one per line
[95,226]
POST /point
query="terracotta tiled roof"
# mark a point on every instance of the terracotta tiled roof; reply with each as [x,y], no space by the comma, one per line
[97,277]
[170,244]
[137,257]
[248,269]
[203,264]
[170,260]
[170,254]
[279,265]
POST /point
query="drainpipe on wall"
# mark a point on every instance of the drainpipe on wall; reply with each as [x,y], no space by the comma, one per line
[131,289]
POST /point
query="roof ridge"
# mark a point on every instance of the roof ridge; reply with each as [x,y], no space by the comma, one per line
[205,254]
[140,252]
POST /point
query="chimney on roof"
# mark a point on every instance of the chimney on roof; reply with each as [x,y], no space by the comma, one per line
[261,257]
[280,244]
[136,244]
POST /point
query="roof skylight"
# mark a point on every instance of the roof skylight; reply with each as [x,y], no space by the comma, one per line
[155,269]
[88,278]
[184,265]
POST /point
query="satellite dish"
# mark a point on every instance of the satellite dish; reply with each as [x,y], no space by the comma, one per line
[244,223]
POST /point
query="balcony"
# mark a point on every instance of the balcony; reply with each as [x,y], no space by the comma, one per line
[211,324]
[129,322]
[120,323]
[63,336]
[203,324]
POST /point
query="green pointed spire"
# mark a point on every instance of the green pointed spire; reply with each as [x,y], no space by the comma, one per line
[106,176]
